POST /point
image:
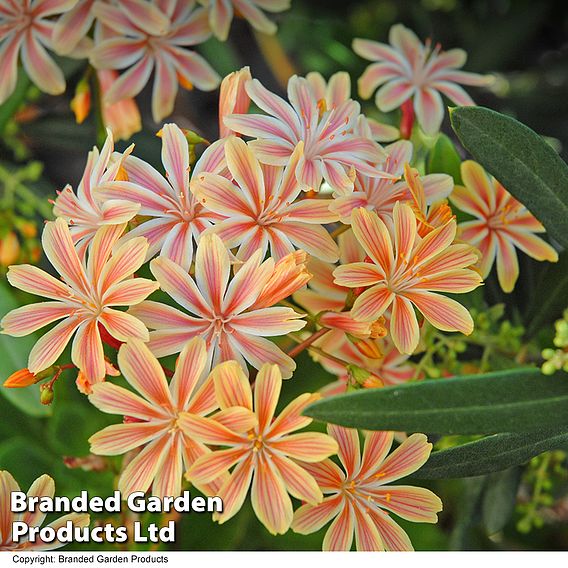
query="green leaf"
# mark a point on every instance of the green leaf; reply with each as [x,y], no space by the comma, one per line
[521,160]
[494,453]
[500,498]
[14,353]
[516,400]
[443,158]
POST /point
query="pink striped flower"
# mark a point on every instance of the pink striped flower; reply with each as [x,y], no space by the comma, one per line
[154,418]
[407,69]
[145,37]
[83,299]
[176,219]
[336,91]
[269,454]
[380,195]
[360,497]
[259,208]
[406,272]
[502,224]
[43,486]
[333,150]
[225,313]
[84,211]
[221,14]
[25,31]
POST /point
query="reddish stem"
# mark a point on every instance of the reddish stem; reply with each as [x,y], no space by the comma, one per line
[109,339]
[307,342]
[407,120]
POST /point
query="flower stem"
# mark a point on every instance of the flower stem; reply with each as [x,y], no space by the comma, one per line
[307,342]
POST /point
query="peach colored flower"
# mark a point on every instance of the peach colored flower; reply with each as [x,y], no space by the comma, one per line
[221,14]
[260,208]
[83,299]
[143,38]
[84,211]
[360,496]
[176,219]
[42,487]
[406,272]
[268,454]
[380,195]
[25,32]
[233,97]
[337,90]
[154,418]
[223,311]
[501,225]
[333,150]
[122,117]
[408,69]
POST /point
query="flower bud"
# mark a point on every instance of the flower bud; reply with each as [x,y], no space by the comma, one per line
[81,102]
[46,394]
[20,379]
[9,249]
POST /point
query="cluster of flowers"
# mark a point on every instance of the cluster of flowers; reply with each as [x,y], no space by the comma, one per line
[140,36]
[228,240]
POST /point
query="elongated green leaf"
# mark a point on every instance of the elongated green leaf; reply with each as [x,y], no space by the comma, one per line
[516,400]
[14,353]
[494,453]
[521,160]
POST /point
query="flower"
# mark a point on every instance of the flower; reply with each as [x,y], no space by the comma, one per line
[122,117]
[142,37]
[223,313]
[20,378]
[221,14]
[408,69]
[176,218]
[42,487]
[338,90]
[268,454]
[380,195]
[332,149]
[83,300]
[84,211]
[406,271]
[360,497]
[233,97]
[258,209]
[501,225]
[26,29]
[154,417]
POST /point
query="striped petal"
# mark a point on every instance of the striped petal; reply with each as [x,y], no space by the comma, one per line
[121,438]
[307,446]
[40,67]
[415,504]
[404,325]
[144,373]
[30,318]
[231,385]
[349,451]
[311,518]
[339,535]
[87,352]
[112,399]
[372,303]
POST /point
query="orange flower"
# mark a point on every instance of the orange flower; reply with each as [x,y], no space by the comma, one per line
[502,223]
[267,454]
[19,379]
[360,498]
[406,272]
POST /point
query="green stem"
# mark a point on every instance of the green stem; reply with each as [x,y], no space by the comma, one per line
[9,108]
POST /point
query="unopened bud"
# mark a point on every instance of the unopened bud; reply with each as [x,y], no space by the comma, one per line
[20,379]
[9,249]
[369,348]
[46,394]
[362,378]
[81,102]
